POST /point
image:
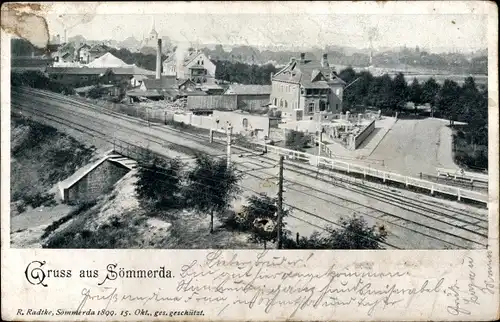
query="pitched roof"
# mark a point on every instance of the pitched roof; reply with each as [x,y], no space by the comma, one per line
[84,46]
[187,59]
[99,48]
[165,82]
[249,90]
[108,60]
[308,73]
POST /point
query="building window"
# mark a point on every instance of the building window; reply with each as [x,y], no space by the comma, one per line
[286,104]
[322,106]
[302,91]
[311,107]
[337,91]
[336,106]
[275,102]
[281,102]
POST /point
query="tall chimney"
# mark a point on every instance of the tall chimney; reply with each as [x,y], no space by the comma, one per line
[302,57]
[158,59]
[65,36]
[324,61]
[272,75]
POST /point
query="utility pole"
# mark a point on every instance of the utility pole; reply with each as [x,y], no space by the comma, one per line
[280,202]
[229,132]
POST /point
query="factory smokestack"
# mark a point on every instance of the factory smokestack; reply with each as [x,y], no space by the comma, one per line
[158,60]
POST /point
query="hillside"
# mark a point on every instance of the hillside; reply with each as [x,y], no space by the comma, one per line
[40,157]
[118,221]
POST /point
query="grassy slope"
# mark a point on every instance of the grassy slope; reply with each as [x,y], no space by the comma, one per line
[40,157]
[117,221]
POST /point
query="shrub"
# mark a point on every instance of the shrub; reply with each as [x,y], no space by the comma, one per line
[297,140]
[354,233]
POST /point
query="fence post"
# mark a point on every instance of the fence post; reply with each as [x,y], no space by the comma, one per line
[364,173]
[383,178]
[406,181]
[432,189]
[348,168]
[458,194]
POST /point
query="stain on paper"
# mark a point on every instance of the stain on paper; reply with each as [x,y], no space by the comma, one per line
[26,20]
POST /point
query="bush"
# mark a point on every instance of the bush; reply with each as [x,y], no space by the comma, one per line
[353,234]
[38,199]
[297,140]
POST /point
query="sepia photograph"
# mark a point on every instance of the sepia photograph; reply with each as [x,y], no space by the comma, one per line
[251,131]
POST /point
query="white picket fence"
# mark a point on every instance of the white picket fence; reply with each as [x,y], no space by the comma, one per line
[339,165]
[461,174]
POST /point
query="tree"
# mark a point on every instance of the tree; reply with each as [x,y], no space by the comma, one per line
[469,98]
[447,100]
[260,217]
[357,93]
[430,90]
[399,92]
[348,75]
[380,93]
[211,186]
[159,182]
[415,93]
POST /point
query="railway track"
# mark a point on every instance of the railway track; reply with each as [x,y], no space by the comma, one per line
[472,229]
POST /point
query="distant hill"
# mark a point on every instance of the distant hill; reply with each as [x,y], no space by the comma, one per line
[129,43]
[345,56]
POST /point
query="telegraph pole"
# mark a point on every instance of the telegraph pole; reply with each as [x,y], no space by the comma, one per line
[280,202]
[229,132]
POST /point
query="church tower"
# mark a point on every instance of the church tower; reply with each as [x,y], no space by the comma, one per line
[153,35]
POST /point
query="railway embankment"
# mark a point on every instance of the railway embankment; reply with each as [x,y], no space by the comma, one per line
[40,157]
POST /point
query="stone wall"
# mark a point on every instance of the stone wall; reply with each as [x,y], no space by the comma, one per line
[358,139]
[96,183]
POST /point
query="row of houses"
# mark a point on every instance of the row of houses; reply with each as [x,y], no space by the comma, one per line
[300,90]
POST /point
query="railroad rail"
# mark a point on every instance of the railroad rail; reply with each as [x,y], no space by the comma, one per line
[471,229]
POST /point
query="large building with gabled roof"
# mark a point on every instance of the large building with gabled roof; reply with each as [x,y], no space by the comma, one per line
[304,88]
[195,66]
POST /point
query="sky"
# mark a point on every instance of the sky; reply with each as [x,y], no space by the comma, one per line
[435,32]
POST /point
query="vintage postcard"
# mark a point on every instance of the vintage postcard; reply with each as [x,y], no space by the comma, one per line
[249,161]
